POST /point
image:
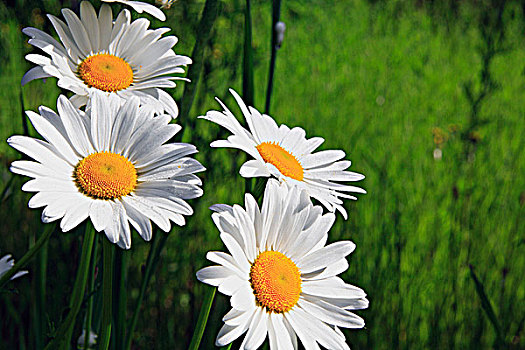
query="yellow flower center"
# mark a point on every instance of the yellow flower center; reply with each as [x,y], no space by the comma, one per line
[106,72]
[276,281]
[105,175]
[283,160]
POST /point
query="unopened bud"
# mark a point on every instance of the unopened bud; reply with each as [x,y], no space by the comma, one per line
[280,27]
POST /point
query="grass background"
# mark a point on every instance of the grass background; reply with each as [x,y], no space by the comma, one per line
[386,81]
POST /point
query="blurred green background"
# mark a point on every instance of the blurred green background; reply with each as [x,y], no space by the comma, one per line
[427,100]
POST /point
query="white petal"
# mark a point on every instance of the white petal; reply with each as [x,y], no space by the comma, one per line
[321,158]
[213,275]
[254,168]
[310,237]
[34,73]
[90,22]
[76,131]
[331,314]
[230,285]
[243,299]
[236,251]
[228,333]
[256,331]
[227,261]
[105,24]
[100,213]
[139,221]
[75,214]
[332,287]
[278,334]
[140,6]
[316,329]
[325,256]
[78,32]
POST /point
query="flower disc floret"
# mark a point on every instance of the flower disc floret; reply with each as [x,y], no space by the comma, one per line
[105,175]
[283,160]
[106,72]
[276,281]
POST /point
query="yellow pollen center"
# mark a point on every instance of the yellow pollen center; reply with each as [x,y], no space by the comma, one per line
[276,281]
[106,72]
[283,160]
[105,175]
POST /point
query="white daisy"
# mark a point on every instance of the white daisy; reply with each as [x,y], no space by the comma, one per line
[6,263]
[96,54]
[286,154]
[109,164]
[281,277]
[140,7]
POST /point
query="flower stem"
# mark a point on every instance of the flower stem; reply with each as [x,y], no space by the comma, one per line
[247,74]
[28,256]
[119,310]
[39,307]
[209,14]
[159,240]
[275,18]
[63,335]
[107,294]
[90,287]
[203,319]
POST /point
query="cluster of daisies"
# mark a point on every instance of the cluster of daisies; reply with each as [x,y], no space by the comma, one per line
[105,155]
[280,273]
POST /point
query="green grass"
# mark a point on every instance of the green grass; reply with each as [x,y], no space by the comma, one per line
[375,82]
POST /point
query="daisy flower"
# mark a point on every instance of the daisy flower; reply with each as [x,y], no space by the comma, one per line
[281,276]
[96,54]
[287,155]
[110,164]
[6,263]
[140,7]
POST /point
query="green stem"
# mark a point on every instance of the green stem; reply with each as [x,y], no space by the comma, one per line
[247,75]
[159,240]
[209,14]
[121,268]
[40,298]
[6,191]
[91,286]
[28,256]
[489,310]
[63,335]
[275,18]
[24,118]
[203,318]
[107,295]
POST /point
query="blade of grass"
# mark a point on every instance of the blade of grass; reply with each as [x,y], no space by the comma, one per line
[203,318]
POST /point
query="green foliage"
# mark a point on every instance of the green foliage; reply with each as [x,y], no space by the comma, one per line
[386,82]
